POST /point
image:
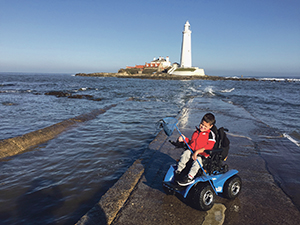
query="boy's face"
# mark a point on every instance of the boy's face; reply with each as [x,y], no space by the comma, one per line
[204,126]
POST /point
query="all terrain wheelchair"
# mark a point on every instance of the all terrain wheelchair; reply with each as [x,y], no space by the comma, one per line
[214,178]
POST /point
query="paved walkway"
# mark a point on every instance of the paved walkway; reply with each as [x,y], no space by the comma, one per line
[138,197]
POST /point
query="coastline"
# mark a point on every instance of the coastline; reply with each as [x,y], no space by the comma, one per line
[163,76]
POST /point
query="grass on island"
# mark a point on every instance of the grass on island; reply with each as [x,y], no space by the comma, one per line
[137,70]
[186,69]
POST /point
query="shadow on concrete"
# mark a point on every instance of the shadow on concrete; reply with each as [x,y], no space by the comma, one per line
[157,160]
[156,165]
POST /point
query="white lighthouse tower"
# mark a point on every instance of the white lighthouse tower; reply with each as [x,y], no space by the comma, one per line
[186,48]
[186,68]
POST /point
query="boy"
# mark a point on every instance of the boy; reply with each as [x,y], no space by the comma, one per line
[202,139]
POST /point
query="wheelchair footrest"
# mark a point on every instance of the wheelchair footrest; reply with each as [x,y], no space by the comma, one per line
[173,186]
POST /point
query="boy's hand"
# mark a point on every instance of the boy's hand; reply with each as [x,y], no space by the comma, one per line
[195,156]
[180,139]
[197,152]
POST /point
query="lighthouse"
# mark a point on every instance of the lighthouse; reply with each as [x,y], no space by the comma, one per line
[186,47]
[186,68]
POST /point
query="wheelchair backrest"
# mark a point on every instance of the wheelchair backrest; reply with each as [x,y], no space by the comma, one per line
[222,142]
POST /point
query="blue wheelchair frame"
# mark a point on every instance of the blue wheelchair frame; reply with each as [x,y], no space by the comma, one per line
[216,180]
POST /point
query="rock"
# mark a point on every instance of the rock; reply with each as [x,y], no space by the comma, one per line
[70,95]
[8,103]
[58,93]
[89,97]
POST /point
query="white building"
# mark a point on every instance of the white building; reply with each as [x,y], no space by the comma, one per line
[186,47]
[160,61]
[186,68]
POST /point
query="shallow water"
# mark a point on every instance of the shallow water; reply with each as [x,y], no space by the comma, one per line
[59,181]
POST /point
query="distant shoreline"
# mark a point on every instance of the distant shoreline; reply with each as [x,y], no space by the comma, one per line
[163,76]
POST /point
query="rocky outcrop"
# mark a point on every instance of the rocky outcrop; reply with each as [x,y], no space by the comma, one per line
[58,93]
[71,95]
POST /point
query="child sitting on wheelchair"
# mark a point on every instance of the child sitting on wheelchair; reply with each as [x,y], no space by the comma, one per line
[202,139]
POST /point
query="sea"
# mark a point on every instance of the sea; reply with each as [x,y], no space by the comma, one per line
[57,182]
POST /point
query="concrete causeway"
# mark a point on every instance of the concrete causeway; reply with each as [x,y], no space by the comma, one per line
[138,197]
[19,144]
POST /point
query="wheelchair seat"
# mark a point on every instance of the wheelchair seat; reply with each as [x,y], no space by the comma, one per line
[213,164]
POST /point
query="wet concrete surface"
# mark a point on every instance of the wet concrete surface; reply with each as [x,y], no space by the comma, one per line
[261,201]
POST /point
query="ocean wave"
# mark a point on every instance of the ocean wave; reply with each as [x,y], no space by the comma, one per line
[227,90]
[280,79]
[9,91]
[209,90]
[86,89]
[291,139]
[238,135]
[234,77]
[195,90]
[17,91]
[270,137]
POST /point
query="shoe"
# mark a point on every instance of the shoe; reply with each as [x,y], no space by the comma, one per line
[186,181]
[177,175]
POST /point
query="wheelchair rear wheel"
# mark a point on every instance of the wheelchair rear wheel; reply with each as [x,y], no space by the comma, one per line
[232,187]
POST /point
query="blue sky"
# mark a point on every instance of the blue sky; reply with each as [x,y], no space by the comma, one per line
[229,37]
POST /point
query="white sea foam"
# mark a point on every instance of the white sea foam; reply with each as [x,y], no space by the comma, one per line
[209,90]
[291,139]
[281,79]
[227,90]
[9,91]
[194,90]
[238,135]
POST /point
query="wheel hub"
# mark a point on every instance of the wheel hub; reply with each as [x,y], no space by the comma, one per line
[208,197]
[235,188]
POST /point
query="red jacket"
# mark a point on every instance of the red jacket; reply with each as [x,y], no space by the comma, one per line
[200,139]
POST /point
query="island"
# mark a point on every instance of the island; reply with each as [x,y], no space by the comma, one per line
[156,74]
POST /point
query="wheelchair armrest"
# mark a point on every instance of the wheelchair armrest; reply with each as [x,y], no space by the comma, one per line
[214,151]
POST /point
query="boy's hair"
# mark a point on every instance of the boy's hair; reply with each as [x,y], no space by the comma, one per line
[209,118]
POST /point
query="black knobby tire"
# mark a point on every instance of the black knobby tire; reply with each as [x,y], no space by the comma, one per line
[202,196]
[232,187]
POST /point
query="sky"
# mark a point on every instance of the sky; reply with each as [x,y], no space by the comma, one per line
[229,37]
